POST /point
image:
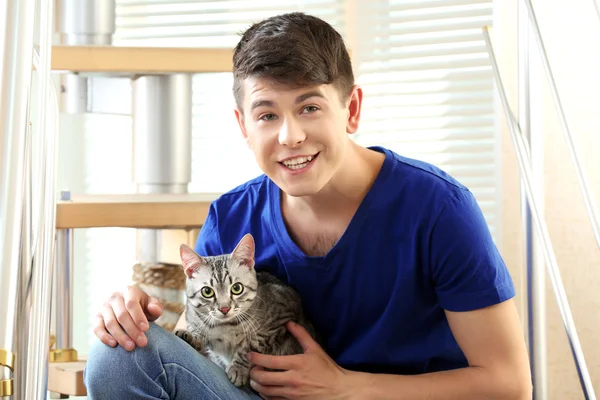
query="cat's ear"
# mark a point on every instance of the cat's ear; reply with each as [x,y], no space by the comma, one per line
[244,251]
[190,260]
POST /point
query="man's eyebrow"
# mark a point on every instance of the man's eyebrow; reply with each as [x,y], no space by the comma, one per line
[308,95]
[261,103]
[299,99]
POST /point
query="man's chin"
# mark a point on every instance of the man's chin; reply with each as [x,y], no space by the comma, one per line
[299,189]
[296,191]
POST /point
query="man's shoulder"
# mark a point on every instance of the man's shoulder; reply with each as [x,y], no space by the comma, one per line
[418,184]
[233,214]
[414,171]
[249,194]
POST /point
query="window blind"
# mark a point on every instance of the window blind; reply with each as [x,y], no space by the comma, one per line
[429,91]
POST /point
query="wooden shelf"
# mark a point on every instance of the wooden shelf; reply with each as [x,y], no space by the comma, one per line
[159,211]
[140,60]
[67,378]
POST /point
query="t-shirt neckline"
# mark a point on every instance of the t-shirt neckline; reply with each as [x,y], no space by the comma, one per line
[288,246]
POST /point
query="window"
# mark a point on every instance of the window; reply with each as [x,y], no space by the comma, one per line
[429,90]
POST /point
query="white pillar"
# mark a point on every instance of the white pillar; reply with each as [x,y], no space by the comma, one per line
[82,22]
[162,125]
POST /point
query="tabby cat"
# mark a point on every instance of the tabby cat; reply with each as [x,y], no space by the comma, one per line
[231,309]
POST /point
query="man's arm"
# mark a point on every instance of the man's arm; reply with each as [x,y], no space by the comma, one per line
[493,344]
[490,337]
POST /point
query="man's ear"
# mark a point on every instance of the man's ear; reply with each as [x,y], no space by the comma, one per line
[239,117]
[354,108]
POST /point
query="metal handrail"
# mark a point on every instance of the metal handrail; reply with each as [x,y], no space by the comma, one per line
[535,268]
[590,204]
[18,33]
[26,260]
[523,157]
[43,263]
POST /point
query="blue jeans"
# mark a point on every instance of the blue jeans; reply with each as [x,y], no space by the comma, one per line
[167,368]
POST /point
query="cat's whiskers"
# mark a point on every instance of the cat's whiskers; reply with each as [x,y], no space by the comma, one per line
[249,329]
[249,320]
[252,319]
[240,319]
[258,298]
[214,321]
[258,314]
[204,326]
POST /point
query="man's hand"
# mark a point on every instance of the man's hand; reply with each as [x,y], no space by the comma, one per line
[124,317]
[312,375]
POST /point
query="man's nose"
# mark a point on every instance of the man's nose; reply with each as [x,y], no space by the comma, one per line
[291,134]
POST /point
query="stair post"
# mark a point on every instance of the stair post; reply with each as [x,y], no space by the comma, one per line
[162,125]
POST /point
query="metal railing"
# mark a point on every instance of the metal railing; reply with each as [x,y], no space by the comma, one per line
[523,153]
[28,155]
[590,204]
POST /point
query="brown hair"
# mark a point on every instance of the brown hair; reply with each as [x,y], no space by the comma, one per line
[293,49]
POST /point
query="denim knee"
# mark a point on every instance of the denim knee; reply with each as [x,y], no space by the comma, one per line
[166,368]
[116,367]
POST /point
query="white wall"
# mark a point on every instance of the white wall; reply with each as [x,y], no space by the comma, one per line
[571,33]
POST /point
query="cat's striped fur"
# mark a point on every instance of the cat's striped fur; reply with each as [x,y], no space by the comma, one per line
[225,323]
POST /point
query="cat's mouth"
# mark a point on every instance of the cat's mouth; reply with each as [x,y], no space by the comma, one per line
[229,319]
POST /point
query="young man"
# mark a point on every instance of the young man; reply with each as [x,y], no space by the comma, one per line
[391,256]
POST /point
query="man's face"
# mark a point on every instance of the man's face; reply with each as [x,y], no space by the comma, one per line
[298,136]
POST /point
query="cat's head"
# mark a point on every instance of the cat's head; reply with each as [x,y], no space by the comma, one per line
[221,288]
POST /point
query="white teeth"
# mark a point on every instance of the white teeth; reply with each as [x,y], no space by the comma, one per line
[298,162]
[297,166]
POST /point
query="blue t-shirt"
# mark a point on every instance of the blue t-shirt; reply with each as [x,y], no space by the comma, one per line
[418,244]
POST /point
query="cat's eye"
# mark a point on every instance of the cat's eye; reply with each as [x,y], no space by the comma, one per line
[207,292]
[237,288]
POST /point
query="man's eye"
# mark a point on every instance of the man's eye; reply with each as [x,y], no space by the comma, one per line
[268,117]
[311,109]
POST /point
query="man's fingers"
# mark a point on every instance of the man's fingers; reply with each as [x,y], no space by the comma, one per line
[154,309]
[114,328]
[134,307]
[101,333]
[275,362]
[265,397]
[271,378]
[126,321]
[301,334]
[270,392]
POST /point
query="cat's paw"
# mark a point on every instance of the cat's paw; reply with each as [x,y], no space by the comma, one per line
[238,375]
[185,336]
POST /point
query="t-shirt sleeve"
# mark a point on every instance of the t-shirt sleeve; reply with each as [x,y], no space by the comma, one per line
[209,242]
[467,269]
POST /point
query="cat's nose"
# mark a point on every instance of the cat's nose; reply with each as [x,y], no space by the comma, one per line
[224,310]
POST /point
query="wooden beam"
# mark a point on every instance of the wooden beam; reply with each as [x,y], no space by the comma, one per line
[159,211]
[140,60]
[67,378]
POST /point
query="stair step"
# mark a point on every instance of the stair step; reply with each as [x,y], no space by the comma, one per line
[159,211]
[121,60]
[67,378]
